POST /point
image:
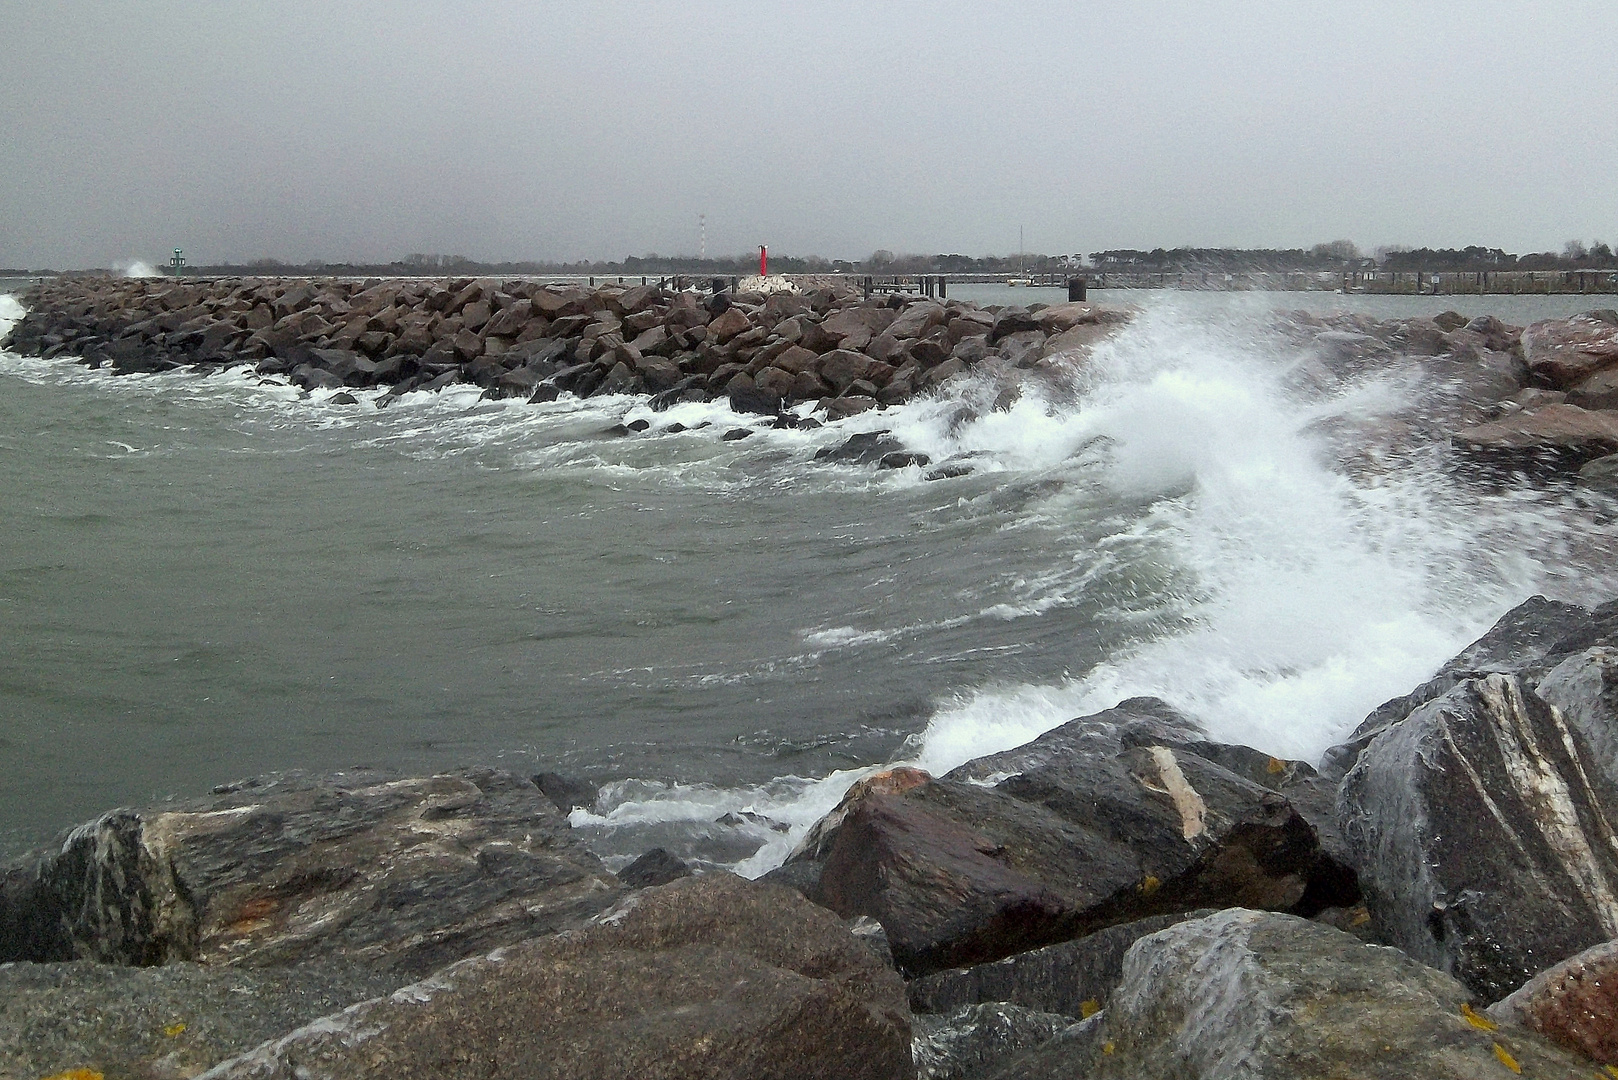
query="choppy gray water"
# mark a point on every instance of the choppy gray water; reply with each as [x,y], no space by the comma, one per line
[206,577]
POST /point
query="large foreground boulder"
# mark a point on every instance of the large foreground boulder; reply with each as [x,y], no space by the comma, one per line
[1107,819]
[1262,996]
[160,1022]
[401,875]
[1482,826]
[711,977]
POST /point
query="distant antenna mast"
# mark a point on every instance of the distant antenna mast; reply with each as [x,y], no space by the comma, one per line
[702,247]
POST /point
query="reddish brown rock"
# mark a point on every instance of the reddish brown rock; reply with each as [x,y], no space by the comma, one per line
[732,323]
[1574,1003]
[1599,391]
[1553,436]
[854,327]
[1568,351]
[1104,820]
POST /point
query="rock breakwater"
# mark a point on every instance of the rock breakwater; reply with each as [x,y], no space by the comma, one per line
[518,338]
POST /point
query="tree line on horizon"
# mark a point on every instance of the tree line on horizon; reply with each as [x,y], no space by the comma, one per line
[1338,255]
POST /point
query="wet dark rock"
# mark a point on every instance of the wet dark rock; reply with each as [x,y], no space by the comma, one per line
[638,425]
[709,976]
[1480,828]
[345,398]
[916,319]
[902,459]
[396,875]
[1013,320]
[1096,823]
[736,434]
[1599,391]
[865,448]
[976,1038]
[745,398]
[567,792]
[655,867]
[1584,687]
[1271,997]
[1074,978]
[1022,349]
[1527,641]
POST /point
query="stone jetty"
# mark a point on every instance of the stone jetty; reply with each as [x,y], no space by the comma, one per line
[1122,897]
[762,352]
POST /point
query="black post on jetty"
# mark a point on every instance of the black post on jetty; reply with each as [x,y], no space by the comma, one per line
[943,288]
[1078,289]
[735,283]
[869,286]
[717,286]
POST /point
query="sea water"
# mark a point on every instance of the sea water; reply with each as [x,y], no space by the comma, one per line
[206,577]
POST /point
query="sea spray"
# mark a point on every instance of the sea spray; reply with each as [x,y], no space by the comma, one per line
[1304,596]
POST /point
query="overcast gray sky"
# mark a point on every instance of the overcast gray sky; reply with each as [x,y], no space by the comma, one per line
[369,130]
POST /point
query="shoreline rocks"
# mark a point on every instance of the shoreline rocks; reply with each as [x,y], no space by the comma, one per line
[400,875]
[1081,906]
[1108,819]
[762,353]
[1263,995]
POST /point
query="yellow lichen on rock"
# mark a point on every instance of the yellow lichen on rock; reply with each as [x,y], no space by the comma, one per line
[76,1074]
[1089,1007]
[1150,885]
[1506,1059]
[1482,1023]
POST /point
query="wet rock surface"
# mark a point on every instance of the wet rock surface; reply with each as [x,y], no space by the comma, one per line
[1264,995]
[976,1038]
[1528,641]
[162,1022]
[1482,830]
[712,976]
[401,875]
[1096,823]
[1574,1003]
[1074,978]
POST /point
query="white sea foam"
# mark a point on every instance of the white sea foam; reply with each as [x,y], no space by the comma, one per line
[138,268]
[1311,596]
[10,311]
